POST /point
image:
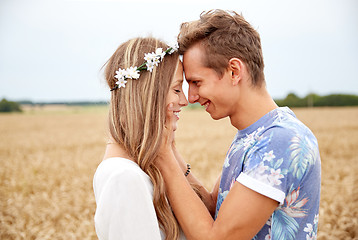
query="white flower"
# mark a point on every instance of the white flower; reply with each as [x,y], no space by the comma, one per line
[120,74]
[275,176]
[269,156]
[156,61]
[159,53]
[276,173]
[132,73]
[149,57]
[152,60]
[121,83]
[309,228]
[150,66]
[174,47]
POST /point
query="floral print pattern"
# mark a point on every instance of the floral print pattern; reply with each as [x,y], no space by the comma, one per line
[282,154]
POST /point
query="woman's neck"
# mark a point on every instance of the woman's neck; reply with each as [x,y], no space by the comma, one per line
[114,149]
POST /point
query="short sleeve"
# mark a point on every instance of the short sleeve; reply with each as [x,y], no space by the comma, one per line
[266,165]
[125,209]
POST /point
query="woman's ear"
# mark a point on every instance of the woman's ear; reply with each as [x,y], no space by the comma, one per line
[236,67]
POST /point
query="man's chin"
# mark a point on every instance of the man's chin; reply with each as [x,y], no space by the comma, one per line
[215,117]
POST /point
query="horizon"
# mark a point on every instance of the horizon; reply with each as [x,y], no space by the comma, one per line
[106,101]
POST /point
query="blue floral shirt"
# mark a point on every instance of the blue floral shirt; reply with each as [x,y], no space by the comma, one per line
[278,157]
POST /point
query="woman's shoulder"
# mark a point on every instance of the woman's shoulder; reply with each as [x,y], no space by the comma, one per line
[117,164]
[119,169]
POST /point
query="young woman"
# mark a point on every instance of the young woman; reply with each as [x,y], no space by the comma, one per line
[145,77]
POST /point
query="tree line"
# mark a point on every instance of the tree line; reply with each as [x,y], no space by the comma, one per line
[291,100]
[311,100]
[314,100]
[8,106]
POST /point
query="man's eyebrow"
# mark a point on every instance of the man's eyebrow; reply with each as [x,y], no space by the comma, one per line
[188,78]
[191,79]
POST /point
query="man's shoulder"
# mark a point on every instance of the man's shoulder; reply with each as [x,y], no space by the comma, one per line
[286,125]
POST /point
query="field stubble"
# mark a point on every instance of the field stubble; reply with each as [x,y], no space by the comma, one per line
[48,159]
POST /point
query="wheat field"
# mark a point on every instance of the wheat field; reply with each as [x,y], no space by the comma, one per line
[49,155]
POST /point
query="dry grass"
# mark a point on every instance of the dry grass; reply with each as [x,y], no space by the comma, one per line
[48,158]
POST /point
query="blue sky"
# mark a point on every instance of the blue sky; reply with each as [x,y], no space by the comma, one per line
[53,50]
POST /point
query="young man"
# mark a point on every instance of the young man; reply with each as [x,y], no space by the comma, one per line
[270,182]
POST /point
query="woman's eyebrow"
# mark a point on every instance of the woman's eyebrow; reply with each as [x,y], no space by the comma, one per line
[179,81]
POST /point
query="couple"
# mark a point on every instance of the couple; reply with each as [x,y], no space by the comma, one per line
[270,182]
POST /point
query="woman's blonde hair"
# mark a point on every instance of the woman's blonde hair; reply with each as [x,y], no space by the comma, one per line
[137,116]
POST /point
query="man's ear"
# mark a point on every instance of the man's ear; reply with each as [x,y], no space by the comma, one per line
[236,67]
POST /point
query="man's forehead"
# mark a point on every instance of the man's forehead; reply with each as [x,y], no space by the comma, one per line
[195,53]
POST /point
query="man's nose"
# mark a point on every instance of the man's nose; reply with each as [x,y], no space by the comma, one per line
[193,95]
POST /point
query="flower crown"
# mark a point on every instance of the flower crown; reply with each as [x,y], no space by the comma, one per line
[151,60]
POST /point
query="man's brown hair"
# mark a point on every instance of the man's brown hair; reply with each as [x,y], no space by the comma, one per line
[224,35]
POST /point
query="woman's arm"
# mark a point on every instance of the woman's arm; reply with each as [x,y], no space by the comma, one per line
[209,199]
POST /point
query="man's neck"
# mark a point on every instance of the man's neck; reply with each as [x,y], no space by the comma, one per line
[252,106]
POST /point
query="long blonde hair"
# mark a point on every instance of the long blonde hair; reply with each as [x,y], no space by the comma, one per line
[137,116]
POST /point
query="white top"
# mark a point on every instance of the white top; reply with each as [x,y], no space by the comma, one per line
[124,197]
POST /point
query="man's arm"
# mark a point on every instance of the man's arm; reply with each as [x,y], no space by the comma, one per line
[241,216]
